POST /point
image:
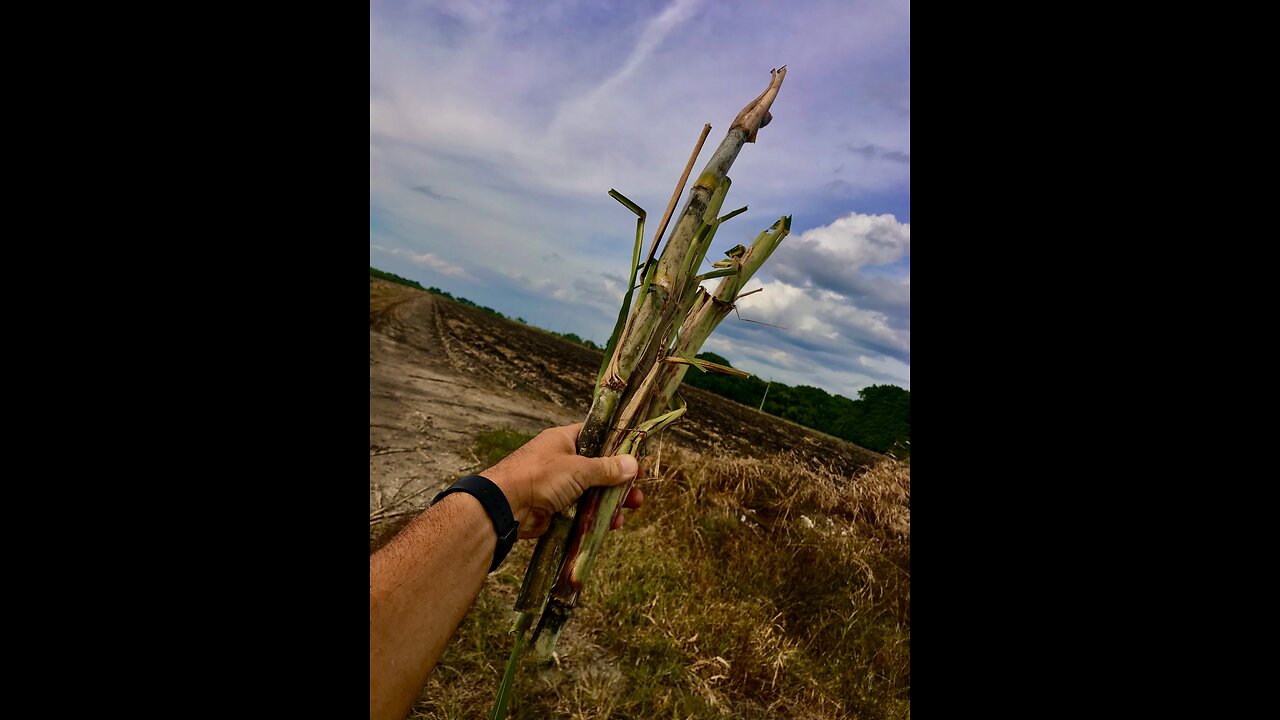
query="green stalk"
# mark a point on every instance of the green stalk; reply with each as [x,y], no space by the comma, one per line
[708,233]
[542,571]
[709,310]
[611,498]
[654,302]
[637,403]
[675,195]
[566,554]
[635,398]
[596,521]
[623,313]
[704,365]
[509,675]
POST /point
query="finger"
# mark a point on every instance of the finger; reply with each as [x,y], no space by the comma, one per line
[614,470]
[569,431]
[566,435]
[617,522]
[534,529]
[634,499]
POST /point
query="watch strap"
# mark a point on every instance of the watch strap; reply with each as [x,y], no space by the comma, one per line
[495,505]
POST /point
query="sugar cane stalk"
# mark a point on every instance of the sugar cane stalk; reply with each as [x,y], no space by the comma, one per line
[628,352]
[710,309]
[652,394]
[633,375]
[649,334]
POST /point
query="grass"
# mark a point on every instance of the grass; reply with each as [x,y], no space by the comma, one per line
[718,600]
[492,446]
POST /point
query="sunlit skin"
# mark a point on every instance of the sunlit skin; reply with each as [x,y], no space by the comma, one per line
[424,580]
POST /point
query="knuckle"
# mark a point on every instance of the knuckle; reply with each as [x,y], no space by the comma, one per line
[609,467]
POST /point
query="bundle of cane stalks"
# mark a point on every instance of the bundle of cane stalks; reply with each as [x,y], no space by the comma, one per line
[652,346]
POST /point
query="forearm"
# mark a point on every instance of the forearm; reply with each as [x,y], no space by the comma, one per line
[423,581]
[421,584]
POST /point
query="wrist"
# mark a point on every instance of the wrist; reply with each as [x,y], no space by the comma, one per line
[517,500]
[494,503]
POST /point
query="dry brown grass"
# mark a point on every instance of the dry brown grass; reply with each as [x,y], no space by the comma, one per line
[745,588]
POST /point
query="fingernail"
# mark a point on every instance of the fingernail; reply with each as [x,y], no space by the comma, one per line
[629,466]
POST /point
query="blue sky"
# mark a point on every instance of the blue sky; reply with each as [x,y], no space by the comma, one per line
[496,130]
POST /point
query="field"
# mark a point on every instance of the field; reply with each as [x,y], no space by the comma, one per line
[768,574]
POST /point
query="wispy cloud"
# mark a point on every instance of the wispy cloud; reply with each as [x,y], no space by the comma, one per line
[874,152]
[655,31]
[429,192]
[427,260]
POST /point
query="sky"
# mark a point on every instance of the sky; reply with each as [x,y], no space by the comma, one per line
[496,130]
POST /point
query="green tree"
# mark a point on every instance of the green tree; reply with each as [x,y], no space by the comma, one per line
[880,419]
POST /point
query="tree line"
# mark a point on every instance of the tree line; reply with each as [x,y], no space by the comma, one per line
[880,419]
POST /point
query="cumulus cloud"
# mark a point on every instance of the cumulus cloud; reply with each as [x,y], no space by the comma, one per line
[858,239]
[840,298]
[824,321]
[831,258]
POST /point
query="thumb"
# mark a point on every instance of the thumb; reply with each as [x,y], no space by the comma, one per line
[613,470]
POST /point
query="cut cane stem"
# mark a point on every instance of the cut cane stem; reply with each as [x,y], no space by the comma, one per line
[644,354]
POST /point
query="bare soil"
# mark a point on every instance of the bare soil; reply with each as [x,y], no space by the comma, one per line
[440,373]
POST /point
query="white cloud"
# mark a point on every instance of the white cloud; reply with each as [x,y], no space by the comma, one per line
[861,262]
[427,260]
[654,33]
[819,315]
[856,240]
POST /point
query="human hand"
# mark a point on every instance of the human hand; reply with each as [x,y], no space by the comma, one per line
[546,475]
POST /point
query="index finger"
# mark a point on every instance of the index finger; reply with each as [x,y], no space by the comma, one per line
[569,433]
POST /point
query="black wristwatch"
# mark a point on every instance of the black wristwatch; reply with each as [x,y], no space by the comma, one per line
[496,505]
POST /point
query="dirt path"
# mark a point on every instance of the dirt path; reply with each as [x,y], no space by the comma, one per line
[425,413]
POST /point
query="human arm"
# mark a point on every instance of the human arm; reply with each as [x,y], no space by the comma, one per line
[422,583]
